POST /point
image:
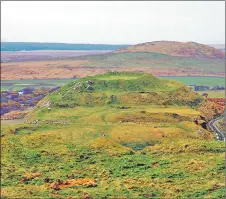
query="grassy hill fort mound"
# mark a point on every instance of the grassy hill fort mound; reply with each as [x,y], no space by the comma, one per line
[122,88]
[119,134]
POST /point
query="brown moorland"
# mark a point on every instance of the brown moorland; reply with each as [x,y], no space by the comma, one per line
[41,69]
[56,69]
[161,58]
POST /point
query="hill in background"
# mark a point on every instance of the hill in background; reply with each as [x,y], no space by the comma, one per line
[173,48]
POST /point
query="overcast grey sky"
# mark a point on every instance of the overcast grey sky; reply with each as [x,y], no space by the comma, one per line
[113,22]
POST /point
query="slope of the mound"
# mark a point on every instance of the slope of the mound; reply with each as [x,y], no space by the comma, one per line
[173,48]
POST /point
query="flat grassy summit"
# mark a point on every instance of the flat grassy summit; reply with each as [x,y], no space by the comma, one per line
[173,48]
[116,135]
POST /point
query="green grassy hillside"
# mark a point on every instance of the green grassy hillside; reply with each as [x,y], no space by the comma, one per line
[117,135]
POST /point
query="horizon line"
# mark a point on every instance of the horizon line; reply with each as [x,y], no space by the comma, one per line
[50,42]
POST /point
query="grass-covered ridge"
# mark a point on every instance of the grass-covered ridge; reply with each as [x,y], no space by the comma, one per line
[116,140]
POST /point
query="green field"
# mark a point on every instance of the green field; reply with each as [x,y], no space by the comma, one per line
[202,81]
[213,94]
[130,136]
[43,83]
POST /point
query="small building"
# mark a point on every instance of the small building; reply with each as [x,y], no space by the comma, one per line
[192,87]
[218,88]
[202,88]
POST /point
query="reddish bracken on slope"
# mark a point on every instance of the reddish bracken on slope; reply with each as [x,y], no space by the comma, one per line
[173,48]
[220,101]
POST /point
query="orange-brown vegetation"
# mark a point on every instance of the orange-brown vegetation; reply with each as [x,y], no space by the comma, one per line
[29,176]
[72,68]
[210,109]
[10,103]
[59,184]
[41,69]
[14,115]
[219,101]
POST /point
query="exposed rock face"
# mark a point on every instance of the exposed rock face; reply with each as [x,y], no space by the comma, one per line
[200,122]
[173,48]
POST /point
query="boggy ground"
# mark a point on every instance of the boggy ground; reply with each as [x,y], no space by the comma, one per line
[110,137]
